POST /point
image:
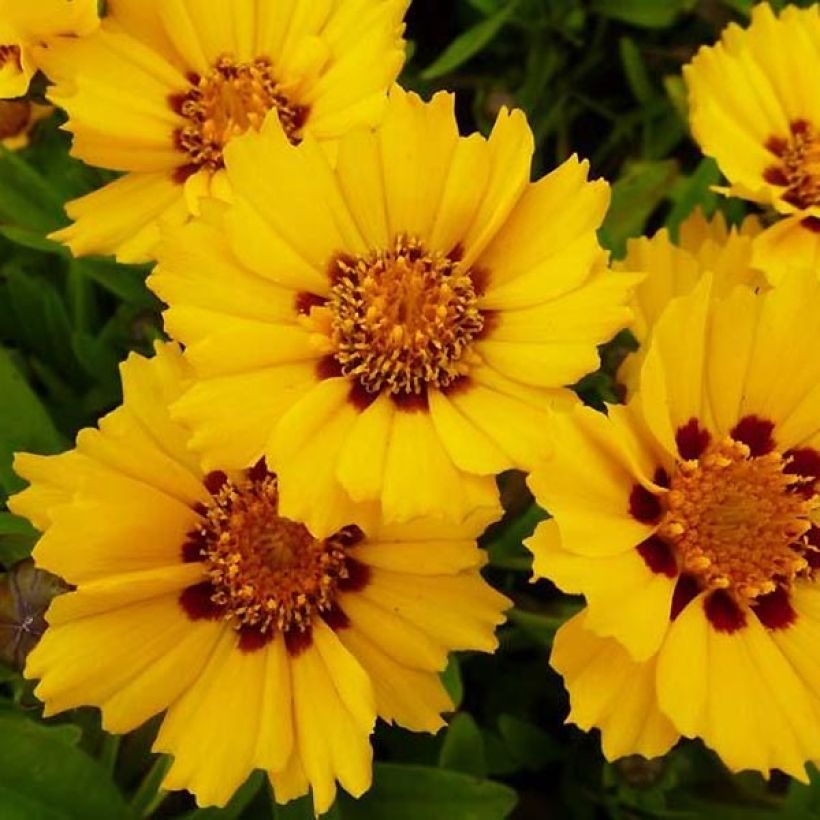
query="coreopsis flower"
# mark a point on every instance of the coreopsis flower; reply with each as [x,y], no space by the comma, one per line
[674,268]
[163,87]
[690,520]
[754,108]
[265,646]
[390,328]
[17,120]
[25,24]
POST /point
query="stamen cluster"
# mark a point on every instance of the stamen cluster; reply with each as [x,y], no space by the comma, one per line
[799,170]
[403,319]
[266,572]
[738,522]
[228,101]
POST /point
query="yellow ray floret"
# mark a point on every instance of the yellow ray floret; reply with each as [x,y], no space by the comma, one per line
[689,521]
[164,86]
[402,319]
[26,25]
[674,268]
[754,108]
[265,647]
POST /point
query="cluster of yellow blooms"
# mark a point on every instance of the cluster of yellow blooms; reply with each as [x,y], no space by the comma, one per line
[273,539]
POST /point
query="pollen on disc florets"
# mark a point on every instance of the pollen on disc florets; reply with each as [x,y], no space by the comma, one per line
[231,99]
[267,573]
[738,522]
[799,167]
[403,319]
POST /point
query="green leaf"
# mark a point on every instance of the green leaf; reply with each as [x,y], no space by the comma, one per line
[693,191]
[463,747]
[42,319]
[127,282]
[301,809]
[531,746]
[17,539]
[451,678]
[542,626]
[236,805]
[635,71]
[414,792]
[469,43]
[44,778]
[644,13]
[27,199]
[505,545]
[24,422]
[635,196]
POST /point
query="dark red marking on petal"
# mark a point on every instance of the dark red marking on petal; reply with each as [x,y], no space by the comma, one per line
[328,368]
[215,481]
[480,278]
[692,440]
[658,556]
[298,641]
[756,434]
[457,253]
[198,604]
[491,319]
[176,101]
[723,612]
[800,127]
[200,509]
[336,266]
[644,506]
[795,198]
[462,384]
[813,536]
[775,175]
[777,145]
[811,223]
[662,479]
[183,173]
[305,302]
[349,536]
[358,576]
[259,472]
[686,590]
[804,462]
[252,639]
[360,397]
[411,402]
[335,618]
[193,78]
[775,610]
[193,549]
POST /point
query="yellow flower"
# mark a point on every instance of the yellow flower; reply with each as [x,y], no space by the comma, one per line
[754,107]
[268,648]
[690,520]
[674,269]
[165,85]
[391,329]
[17,119]
[25,24]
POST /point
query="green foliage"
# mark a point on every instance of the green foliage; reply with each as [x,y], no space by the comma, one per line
[596,77]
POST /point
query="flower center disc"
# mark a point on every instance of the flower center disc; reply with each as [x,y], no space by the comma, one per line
[266,572]
[228,101]
[737,522]
[799,170]
[403,319]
